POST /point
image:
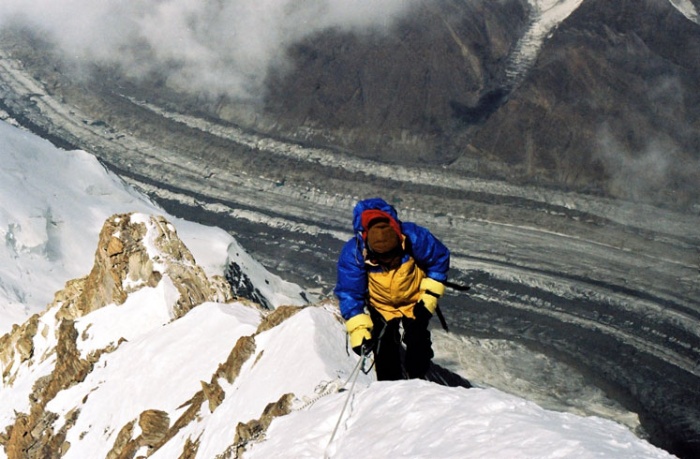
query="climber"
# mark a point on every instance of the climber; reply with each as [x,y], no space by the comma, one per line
[390,277]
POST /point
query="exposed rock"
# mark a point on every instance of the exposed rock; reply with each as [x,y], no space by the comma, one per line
[123,264]
[154,427]
[276,317]
[195,404]
[243,287]
[189,450]
[17,346]
[241,352]
[32,435]
[124,447]
[134,251]
[28,438]
[213,393]
[255,429]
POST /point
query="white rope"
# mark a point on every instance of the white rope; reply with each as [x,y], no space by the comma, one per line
[322,390]
[355,373]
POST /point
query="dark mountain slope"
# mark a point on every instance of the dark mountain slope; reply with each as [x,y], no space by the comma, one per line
[610,106]
[397,95]
[614,99]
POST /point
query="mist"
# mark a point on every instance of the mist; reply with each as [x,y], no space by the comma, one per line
[659,172]
[218,47]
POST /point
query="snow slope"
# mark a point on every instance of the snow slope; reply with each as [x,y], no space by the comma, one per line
[53,204]
[52,208]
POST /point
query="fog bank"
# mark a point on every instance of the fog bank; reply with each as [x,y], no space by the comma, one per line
[219,47]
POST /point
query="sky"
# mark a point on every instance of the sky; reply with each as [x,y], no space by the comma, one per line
[52,206]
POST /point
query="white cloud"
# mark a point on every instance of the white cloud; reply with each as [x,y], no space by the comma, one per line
[215,46]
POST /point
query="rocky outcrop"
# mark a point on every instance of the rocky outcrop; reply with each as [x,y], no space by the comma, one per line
[254,430]
[154,425]
[17,346]
[228,370]
[134,251]
[33,435]
[276,317]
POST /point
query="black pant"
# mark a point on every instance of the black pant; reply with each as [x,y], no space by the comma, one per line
[396,360]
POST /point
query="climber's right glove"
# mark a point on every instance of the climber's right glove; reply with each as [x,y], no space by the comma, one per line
[431,291]
[360,330]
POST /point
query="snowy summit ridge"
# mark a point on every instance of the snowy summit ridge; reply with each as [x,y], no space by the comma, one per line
[149,354]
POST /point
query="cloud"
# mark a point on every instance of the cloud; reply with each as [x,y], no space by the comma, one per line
[216,46]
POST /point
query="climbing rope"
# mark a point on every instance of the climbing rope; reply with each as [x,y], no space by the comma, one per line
[353,376]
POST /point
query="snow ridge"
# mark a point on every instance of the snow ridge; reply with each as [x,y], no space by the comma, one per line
[688,9]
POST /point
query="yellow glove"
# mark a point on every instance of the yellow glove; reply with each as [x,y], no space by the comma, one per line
[360,329]
[431,291]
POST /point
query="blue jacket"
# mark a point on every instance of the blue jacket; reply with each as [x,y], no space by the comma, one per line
[422,248]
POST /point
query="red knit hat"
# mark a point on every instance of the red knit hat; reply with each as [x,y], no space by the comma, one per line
[370,215]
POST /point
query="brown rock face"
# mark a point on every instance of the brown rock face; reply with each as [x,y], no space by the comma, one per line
[123,265]
[19,342]
[241,352]
[255,429]
[154,426]
[33,435]
[276,317]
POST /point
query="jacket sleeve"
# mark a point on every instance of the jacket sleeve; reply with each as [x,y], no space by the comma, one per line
[351,286]
[431,255]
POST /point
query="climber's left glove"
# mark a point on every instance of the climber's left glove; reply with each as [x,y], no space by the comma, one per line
[431,291]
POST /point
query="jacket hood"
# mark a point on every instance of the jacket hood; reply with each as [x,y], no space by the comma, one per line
[372,203]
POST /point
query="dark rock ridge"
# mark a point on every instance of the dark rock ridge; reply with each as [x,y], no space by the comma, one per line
[242,286]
